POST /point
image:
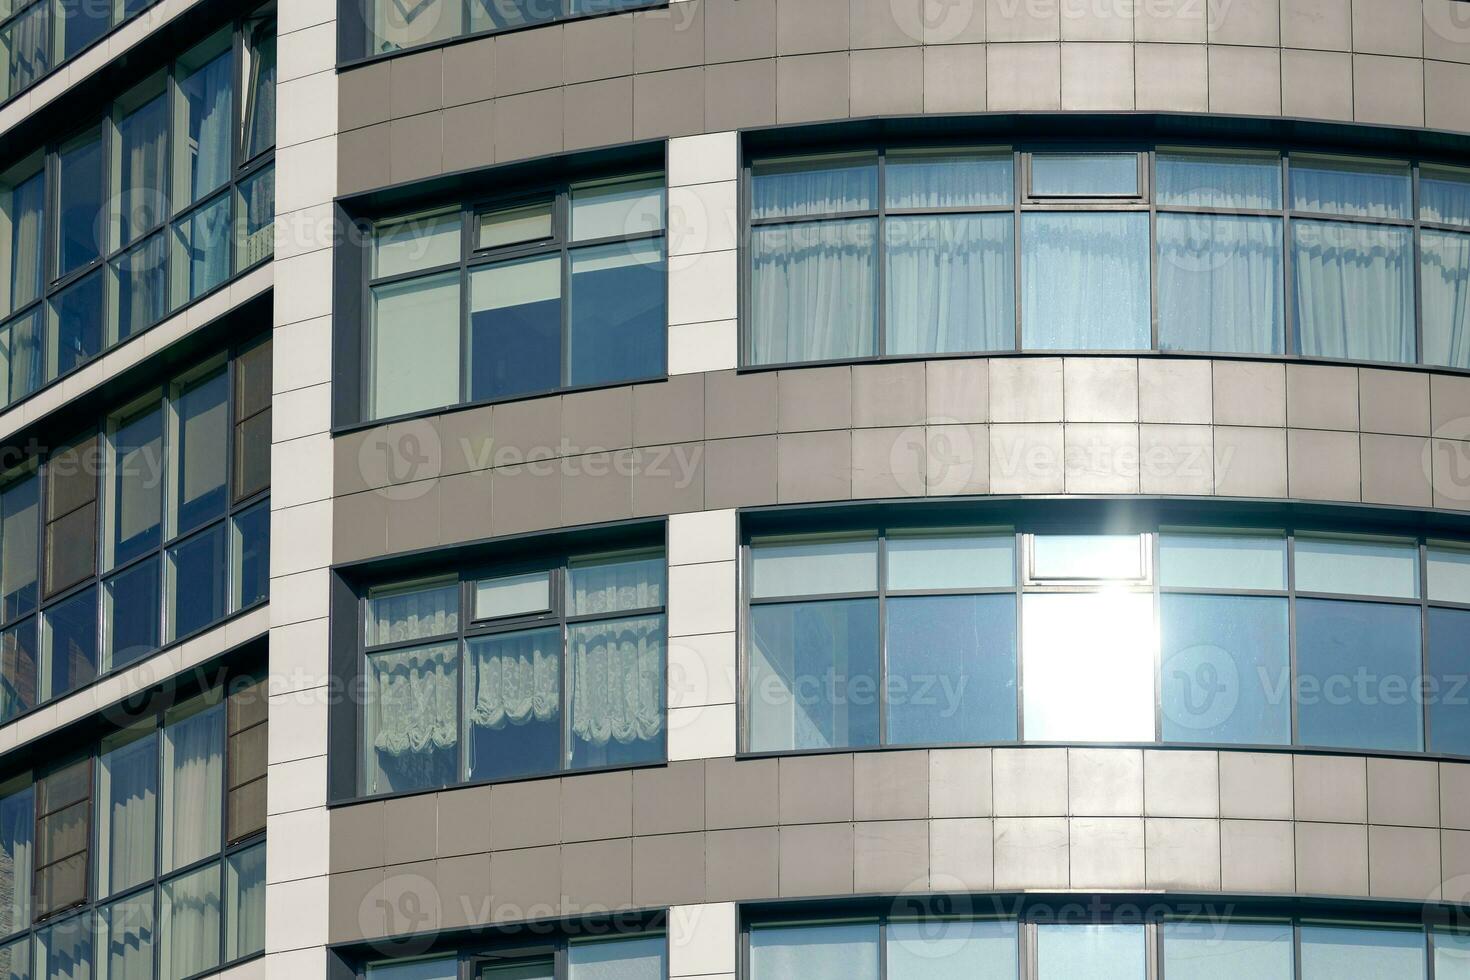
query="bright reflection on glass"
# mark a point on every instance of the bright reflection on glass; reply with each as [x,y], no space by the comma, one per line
[1097,952]
[1086,556]
[951,949]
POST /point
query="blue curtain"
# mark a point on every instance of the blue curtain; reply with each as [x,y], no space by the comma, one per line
[1085,281]
[1220,284]
[951,284]
[1444,277]
[1354,290]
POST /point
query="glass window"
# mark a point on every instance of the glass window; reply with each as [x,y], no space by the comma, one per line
[816,185]
[22,228]
[141,162]
[17,842]
[18,674]
[813,565]
[513,704]
[23,41]
[1355,188]
[71,515]
[245,903]
[615,583]
[63,823]
[258,130]
[203,121]
[15,960]
[1448,572]
[616,682]
[1334,952]
[200,453]
[515,328]
[250,543]
[125,939]
[1084,174]
[255,218]
[80,190]
[1444,195]
[951,672]
[1357,566]
[1451,955]
[70,636]
[951,949]
[642,958]
[519,968]
[950,560]
[618,208]
[813,675]
[202,250]
[135,511]
[1076,557]
[1085,280]
[1226,669]
[1444,281]
[127,809]
[1358,665]
[247,721]
[142,296]
[1098,952]
[253,420]
[1448,688]
[412,612]
[75,326]
[1227,950]
[417,243]
[78,25]
[189,924]
[926,178]
[949,283]
[1218,179]
[813,291]
[840,951]
[65,950]
[1221,283]
[1193,560]
[21,356]
[193,749]
[411,721]
[511,226]
[1089,667]
[618,324]
[436,968]
[19,541]
[415,345]
[1354,290]
[513,595]
[131,617]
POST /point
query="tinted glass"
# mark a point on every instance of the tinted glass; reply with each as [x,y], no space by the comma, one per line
[1222,561]
[411,244]
[1444,282]
[510,226]
[1218,180]
[1098,952]
[66,950]
[142,299]
[618,324]
[197,590]
[1335,953]
[71,548]
[412,612]
[205,117]
[18,670]
[436,968]
[143,168]
[951,561]
[1084,174]
[617,208]
[19,541]
[415,345]
[189,924]
[204,425]
[1227,950]
[1451,955]
[1357,566]
[951,669]
[513,595]
[17,840]
[1089,667]
[513,704]
[76,324]
[137,485]
[816,952]
[614,583]
[1448,573]
[202,243]
[251,555]
[23,205]
[24,41]
[1449,680]
[245,903]
[813,185]
[127,812]
[79,26]
[125,942]
[813,566]
[255,212]
[132,612]
[79,177]
[260,91]
[71,643]
[616,683]
[1226,675]
[1357,666]
[21,356]
[515,328]
[1085,281]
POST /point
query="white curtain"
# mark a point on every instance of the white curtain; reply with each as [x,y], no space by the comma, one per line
[209,247]
[616,585]
[245,911]
[951,284]
[411,699]
[926,179]
[1220,180]
[1220,284]
[813,291]
[27,49]
[193,773]
[191,923]
[129,935]
[1084,280]
[1362,190]
[1445,285]
[17,838]
[128,777]
[210,111]
[412,613]
[617,680]
[814,185]
[514,679]
[1354,290]
[144,165]
[24,214]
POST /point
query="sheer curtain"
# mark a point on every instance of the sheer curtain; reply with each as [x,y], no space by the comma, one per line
[411,614]
[1445,284]
[27,48]
[813,291]
[245,914]
[617,680]
[1219,180]
[514,679]
[210,109]
[411,717]
[1220,283]
[128,952]
[951,284]
[25,214]
[814,186]
[193,772]
[1084,281]
[191,921]
[127,780]
[17,838]
[144,164]
[1354,290]
[616,584]
[1362,189]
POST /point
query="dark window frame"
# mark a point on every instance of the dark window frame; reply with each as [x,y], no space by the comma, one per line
[469,959]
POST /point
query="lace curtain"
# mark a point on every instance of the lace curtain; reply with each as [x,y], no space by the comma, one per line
[616,586]
[617,680]
[411,615]
[412,697]
[514,679]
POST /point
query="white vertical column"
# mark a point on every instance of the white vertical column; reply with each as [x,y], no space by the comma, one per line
[702,940]
[704,227]
[702,612]
[301,492]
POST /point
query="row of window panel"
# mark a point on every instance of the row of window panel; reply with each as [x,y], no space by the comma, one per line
[41,35]
[565,291]
[948,282]
[535,681]
[393,26]
[638,957]
[1103,657]
[152,800]
[1216,949]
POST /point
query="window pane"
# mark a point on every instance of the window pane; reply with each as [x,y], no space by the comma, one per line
[203,435]
[137,485]
[1357,566]
[142,162]
[813,565]
[24,42]
[1354,290]
[1336,952]
[126,939]
[1357,188]
[410,718]
[519,969]
[78,25]
[21,363]
[1200,179]
[1448,572]
[813,294]
[193,782]
[19,539]
[1226,674]
[197,582]
[951,669]
[66,950]
[1444,275]
[412,612]
[127,810]
[255,210]
[1449,681]
[1089,667]
[818,952]
[79,189]
[813,185]
[424,241]
[1085,281]
[617,208]
[17,841]
[945,179]
[142,297]
[615,583]
[513,704]
[1358,667]
[205,121]
[252,455]
[951,560]
[250,547]
[1451,955]
[245,903]
[813,680]
[71,644]
[513,595]
[1084,174]
[74,330]
[1098,952]
[1222,561]
[1227,950]
[202,250]
[616,685]
[189,917]
[260,88]
[15,960]
[619,327]
[511,226]
[1220,284]
[950,284]
[415,345]
[71,548]
[1087,556]
[952,949]
[438,968]
[515,328]
[132,615]
[17,670]
[1444,195]
[22,210]
[617,959]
